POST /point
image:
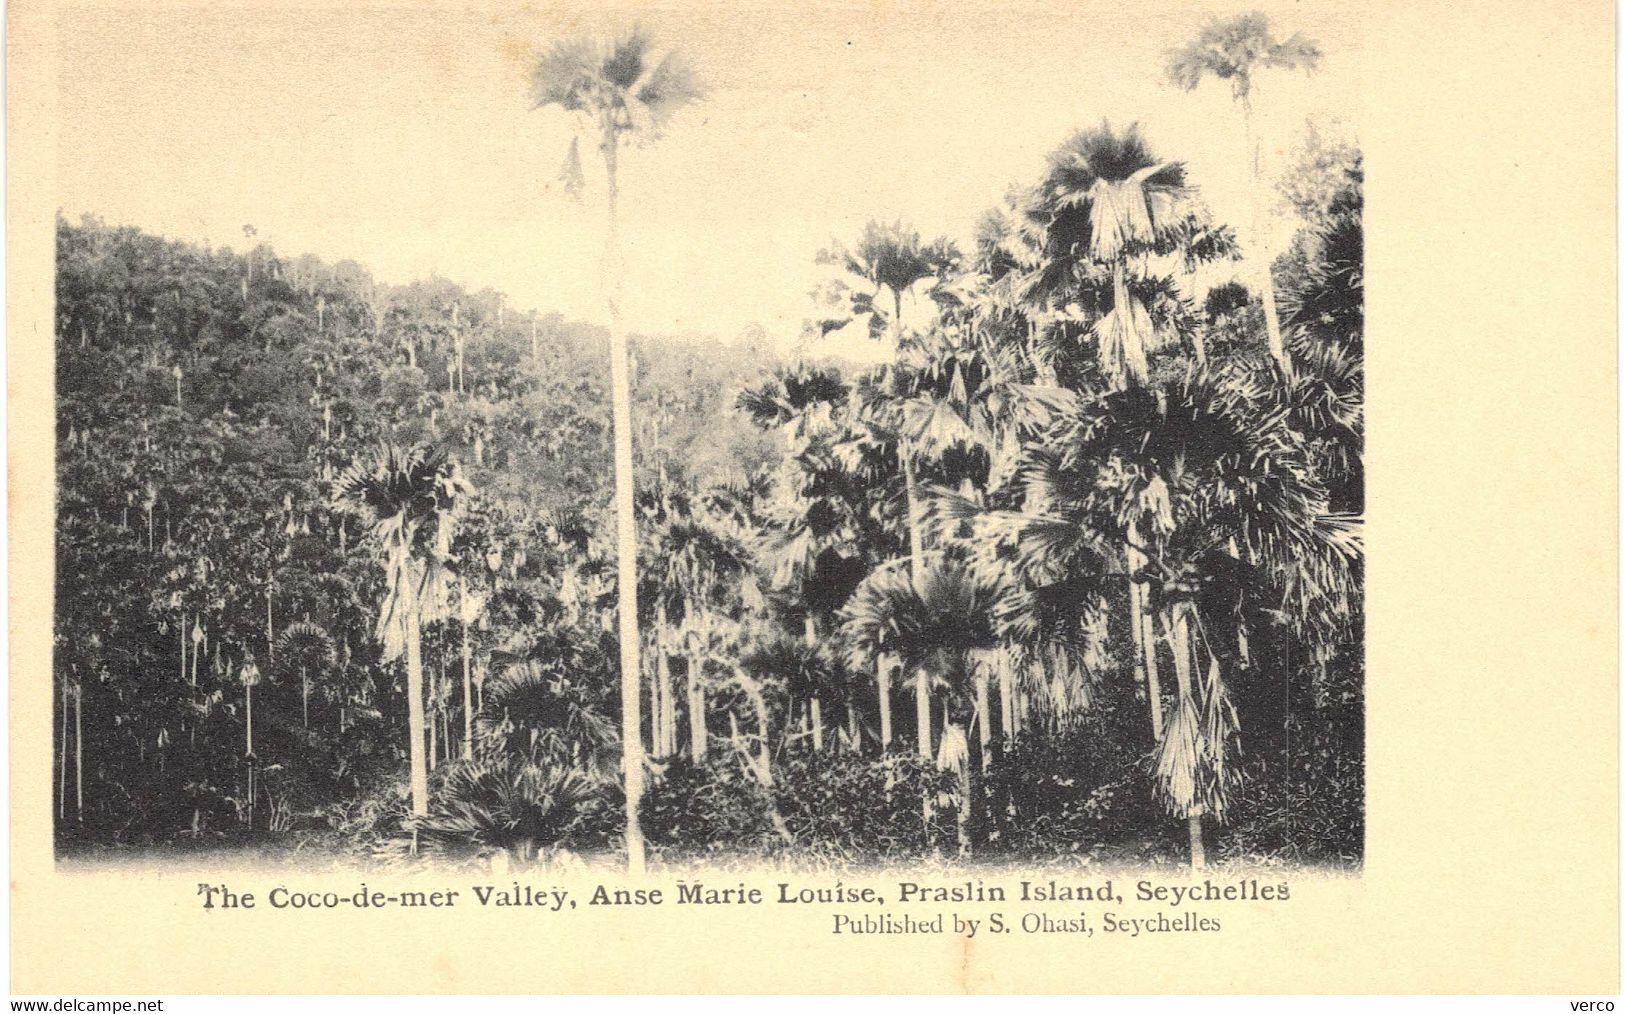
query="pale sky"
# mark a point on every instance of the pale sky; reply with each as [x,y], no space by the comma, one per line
[402,139]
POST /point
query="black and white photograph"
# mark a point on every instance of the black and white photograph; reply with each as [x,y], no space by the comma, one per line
[639,442]
[709,497]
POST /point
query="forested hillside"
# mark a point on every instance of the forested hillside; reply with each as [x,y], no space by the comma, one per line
[207,402]
[1075,576]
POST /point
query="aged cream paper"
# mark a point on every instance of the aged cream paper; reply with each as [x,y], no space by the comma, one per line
[1491,864]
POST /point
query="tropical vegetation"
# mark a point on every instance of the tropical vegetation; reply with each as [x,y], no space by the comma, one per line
[397,571]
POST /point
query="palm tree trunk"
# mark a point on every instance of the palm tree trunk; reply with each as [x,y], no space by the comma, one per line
[657,715]
[668,717]
[304,695]
[79,749]
[625,525]
[815,707]
[1272,319]
[883,686]
[916,550]
[1007,697]
[434,713]
[663,720]
[468,691]
[414,715]
[698,735]
[1143,626]
[984,734]
[1183,646]
[248,753]
[922,711]
[62,765]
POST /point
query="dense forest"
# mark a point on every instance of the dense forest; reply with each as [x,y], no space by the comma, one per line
[1075,576]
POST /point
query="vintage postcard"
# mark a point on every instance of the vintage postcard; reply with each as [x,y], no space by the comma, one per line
[718,497]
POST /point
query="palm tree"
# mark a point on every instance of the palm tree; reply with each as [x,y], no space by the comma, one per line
[410,500]
[622,94]
[1106,209]
[470,608]
[1230,530]
[1235,49]
[694,555]
[826,517]
[303,646]
[890,259]
[249,675]
[937,625]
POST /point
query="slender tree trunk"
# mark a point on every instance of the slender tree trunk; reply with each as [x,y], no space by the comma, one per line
[183,646]
[1152,677]
[414,715]
[62,768]
[435,673]
[922,690]
[883,686]
[1144,627]
[657,716]
[698,735]
[1266,273]
[468,691]
[815,707]
[304,694]
[922,711]
[664,743]
[1178,622]
[625,525]
[79,749]
[984,733]
[1007,697]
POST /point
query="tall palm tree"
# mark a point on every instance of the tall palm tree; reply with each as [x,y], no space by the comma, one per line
[622,93]
[892,259]
[1235,49]
[410,500]
[1105,209]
